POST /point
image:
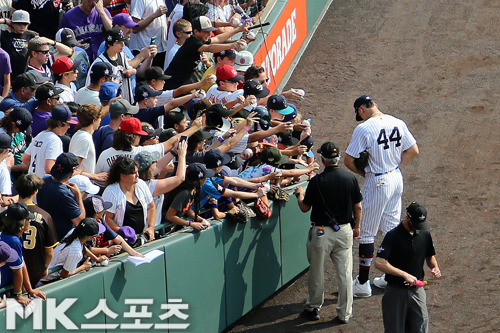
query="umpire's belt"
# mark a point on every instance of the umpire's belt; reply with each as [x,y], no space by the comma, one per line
[313,224]
[385,173]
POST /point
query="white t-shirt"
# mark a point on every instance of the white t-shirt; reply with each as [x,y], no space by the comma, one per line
[216,96]
[45,146]
[82,145]
[222,14]
[109,155]
[85,95]
[68,95]
[141,9]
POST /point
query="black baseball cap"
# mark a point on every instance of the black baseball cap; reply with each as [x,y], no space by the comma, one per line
[361,100]
[22,117]
[199,136]
[114,35]
[46,91]
[144,91]
[167,134]
[155,73]
[152,133]
[254,87]
[216,121]
[225,53]
[329,150]
[64,166]
[264,117]
[5,141]
[18,211]
[308,142]
[24,81]
[66,36]
[418,216]
[215,158]
[87,227]
[220,109]
[101,69]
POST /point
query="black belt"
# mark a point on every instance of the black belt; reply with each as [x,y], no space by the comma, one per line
[324,225]
[403,286]
[385,173]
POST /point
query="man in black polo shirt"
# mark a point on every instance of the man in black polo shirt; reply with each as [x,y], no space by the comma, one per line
[401,257]
[335,198]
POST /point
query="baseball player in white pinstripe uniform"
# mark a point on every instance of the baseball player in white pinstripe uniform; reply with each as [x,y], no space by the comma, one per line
[390,145]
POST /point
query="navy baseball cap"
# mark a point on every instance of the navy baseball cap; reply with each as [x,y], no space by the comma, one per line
[197,171]
[64,166]
[361,100]
[279,104]
[418,216]
[62,113]
[254,87]
[5,141]
[101,69]
[329,150]
[226,53]
[145,91]
[215,158]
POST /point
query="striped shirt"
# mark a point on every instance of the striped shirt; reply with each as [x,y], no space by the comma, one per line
[385,138]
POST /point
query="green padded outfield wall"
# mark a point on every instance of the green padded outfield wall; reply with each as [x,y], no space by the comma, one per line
[215,276]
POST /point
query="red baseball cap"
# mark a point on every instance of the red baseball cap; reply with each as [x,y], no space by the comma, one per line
[63,65]
[132,125]
[228,73]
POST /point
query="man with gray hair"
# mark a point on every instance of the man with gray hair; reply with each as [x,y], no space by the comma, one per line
[335,198]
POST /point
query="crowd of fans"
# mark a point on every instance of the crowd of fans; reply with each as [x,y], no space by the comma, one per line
[119,118]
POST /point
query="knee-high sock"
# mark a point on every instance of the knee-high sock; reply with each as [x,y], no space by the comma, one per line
[365,261]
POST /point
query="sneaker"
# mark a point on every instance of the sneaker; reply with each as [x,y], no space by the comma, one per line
[380,282]
[312,315]
[361,290]
[339,321]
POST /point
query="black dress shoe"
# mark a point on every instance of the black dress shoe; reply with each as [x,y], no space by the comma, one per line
[337,320]
[311,315]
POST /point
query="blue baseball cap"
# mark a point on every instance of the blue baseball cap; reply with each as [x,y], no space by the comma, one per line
[108,91]
[62,113]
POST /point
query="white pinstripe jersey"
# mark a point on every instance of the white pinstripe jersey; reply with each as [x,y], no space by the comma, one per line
[385,138]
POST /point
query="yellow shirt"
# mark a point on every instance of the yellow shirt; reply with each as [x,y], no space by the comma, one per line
[207,73]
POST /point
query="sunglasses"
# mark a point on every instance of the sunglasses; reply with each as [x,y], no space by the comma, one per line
[44,52]
[187,32]
[264,81]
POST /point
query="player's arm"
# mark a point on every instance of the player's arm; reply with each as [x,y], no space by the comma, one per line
[349,163]
[387,268]
[408,155]
[433,265]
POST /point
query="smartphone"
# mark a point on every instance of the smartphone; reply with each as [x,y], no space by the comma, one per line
[183,138]
[153,40]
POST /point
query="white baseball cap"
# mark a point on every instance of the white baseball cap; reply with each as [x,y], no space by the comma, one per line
[244,59]
[84,184]
[21,16]
[203,23]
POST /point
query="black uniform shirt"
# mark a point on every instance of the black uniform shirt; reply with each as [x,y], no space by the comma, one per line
[406,252]
[340,191]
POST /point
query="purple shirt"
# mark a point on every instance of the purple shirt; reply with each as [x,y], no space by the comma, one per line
[86,25]
[4,67]
[39,122]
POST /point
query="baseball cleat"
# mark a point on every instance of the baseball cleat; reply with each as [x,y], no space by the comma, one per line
[380,282]
[361,290]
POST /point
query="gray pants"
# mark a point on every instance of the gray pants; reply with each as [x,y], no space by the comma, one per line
[338,246]
[405,310]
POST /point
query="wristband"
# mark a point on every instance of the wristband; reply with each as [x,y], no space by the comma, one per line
[246,128]
[297,194]
[54,45]
[189,223]
[221,139]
